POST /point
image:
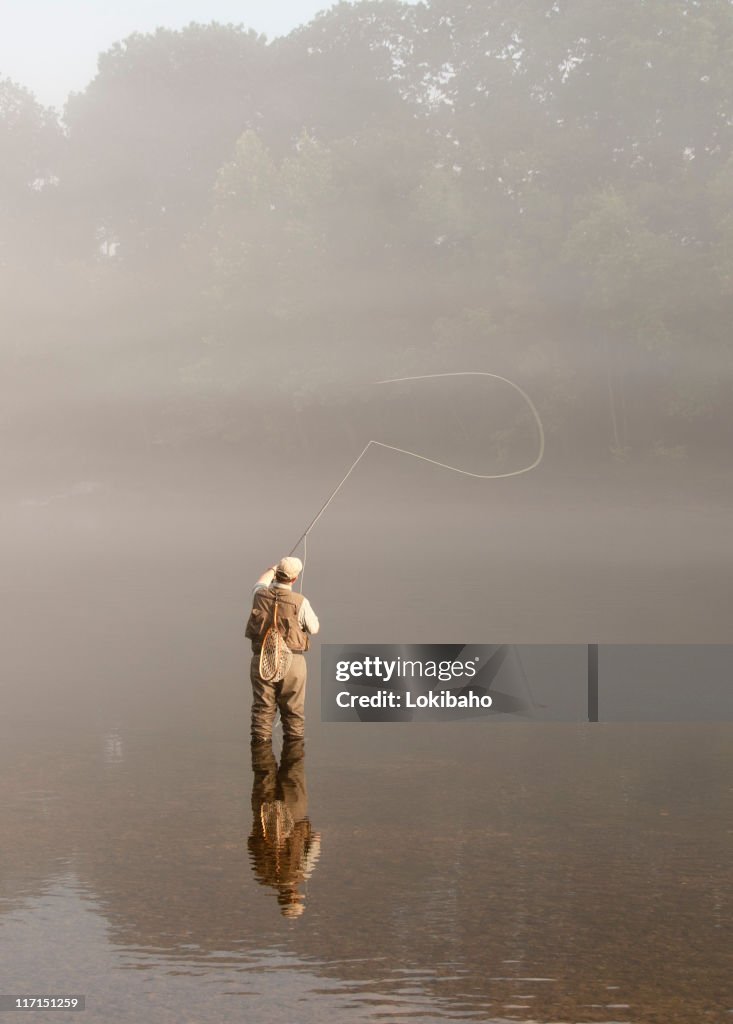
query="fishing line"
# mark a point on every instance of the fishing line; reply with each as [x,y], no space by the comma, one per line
[423,458]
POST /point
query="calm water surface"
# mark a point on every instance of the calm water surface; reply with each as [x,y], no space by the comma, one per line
[516,872]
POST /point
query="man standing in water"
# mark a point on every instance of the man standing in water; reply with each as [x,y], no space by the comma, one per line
[296,622]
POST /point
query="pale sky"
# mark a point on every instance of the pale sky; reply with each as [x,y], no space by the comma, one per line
[51,46]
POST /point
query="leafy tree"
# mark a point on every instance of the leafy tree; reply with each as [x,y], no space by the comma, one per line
[30,142]
[269,221]
[341,74]
[149,134]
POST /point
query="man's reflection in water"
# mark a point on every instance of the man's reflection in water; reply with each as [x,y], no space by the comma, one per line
[283,846]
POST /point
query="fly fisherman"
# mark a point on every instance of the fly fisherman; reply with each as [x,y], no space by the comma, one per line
[296,621]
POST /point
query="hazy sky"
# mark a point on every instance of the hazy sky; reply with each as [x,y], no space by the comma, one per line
[51,46]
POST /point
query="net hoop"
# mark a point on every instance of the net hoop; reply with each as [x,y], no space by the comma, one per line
[275,655]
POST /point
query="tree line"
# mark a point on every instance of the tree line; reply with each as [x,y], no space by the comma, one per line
[541,189]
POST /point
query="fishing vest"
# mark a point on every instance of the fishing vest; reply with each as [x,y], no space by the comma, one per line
[262,614]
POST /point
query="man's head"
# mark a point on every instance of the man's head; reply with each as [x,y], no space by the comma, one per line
[288,569]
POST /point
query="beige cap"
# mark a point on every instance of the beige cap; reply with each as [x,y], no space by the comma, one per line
[289,567]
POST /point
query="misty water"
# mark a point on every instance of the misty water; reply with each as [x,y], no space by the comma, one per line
[516,871]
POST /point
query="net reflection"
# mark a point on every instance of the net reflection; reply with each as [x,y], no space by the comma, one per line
[283,846]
